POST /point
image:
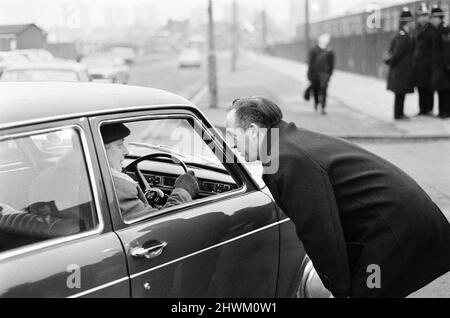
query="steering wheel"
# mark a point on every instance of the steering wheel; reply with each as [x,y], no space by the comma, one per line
[153,197]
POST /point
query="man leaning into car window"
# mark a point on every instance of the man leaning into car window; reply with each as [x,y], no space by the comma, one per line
[132,200]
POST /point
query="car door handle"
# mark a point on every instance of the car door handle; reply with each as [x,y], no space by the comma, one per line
[149,252]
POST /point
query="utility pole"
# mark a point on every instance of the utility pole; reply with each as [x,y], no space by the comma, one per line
[235,37]
[263,29]
[212,70]
[307,35]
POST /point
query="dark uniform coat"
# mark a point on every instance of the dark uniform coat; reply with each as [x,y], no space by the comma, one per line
[423,52]
[353,209]
[401,73]
[441,59]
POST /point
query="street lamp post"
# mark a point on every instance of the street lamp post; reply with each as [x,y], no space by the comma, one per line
[212,70]
[235,37]
[263,29]
[307,35]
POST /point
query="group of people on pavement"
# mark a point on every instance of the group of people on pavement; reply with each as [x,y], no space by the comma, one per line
[420,57]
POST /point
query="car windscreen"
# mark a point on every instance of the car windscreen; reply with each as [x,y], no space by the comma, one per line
[39,75]
[100,61]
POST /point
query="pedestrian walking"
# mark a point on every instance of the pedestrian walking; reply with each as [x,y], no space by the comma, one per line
[369,228]
[320,68]
[400,78]
[422,60]
[441,61]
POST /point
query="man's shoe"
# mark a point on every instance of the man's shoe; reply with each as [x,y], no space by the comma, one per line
[404,118]
[324,112]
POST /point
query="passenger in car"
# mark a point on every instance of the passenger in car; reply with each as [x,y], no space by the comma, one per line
[132,200]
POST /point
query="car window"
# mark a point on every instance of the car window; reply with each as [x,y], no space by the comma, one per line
[45,191]
[9,152]
[180,139]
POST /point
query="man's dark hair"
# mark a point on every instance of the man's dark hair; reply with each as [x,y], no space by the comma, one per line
[257,110]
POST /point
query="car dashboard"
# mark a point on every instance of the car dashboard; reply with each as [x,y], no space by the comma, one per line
[211,182]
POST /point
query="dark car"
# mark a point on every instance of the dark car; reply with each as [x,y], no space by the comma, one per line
[62,233]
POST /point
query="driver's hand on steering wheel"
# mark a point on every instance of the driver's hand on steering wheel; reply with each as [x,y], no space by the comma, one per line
[188,182]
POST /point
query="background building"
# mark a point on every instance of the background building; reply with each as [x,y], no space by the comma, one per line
[21,36]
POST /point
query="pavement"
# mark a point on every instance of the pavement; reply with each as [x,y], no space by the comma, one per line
[358,107]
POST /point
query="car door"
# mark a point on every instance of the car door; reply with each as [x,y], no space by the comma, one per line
[225,245]
[56,238]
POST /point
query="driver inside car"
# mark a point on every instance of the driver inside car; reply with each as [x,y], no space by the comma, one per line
[132,200]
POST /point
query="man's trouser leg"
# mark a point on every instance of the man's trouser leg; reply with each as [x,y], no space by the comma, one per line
[430,101]
[324,78]
[398,106]
[426,100]
[315,86]
[444,100]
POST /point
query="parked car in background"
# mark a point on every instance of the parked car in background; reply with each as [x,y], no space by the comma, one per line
[190,57]
[45,71]
[36,55]
[107,68]
[62,225]
[125,53]
[8,58]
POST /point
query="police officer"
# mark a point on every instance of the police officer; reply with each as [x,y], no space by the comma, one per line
[400,78]
[441,61]
[422,60]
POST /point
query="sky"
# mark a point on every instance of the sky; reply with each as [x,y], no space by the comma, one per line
[48,13]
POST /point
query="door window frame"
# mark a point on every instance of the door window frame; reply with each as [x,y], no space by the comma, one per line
[83,138]
[245,182]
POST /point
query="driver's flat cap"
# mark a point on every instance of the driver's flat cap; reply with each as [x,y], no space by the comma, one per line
[113,132]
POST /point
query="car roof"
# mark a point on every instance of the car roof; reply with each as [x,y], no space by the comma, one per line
[9,53]
[55,65]
[33,102]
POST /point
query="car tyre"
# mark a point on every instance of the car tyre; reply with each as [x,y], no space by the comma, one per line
[307,277]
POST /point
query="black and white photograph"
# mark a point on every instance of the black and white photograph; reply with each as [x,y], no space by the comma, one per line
[222,155]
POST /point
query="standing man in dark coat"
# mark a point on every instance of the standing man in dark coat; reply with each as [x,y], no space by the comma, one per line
[400,78]
[320,68]
[441,61]
[356,214]
[422,60]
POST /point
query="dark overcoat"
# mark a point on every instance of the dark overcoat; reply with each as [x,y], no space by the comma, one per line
[423,52]
[354,210]
[320,61]
[441,59]
[401,73]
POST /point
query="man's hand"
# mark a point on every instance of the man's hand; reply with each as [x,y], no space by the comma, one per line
[188,182]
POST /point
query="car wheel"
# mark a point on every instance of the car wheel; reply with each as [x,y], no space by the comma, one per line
[310,285]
